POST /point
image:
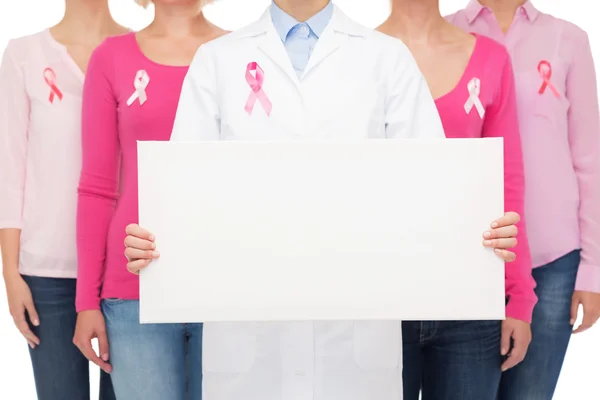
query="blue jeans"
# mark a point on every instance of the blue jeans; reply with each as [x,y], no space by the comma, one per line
[60,370]
[536,377]
[451,360]
[152,361]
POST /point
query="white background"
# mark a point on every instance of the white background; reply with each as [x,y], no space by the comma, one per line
[20,17]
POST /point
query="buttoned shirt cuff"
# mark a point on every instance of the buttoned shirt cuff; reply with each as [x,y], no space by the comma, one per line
[588,278]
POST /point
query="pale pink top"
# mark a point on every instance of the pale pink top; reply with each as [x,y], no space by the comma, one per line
[560,130]
[482,105]
[40,152]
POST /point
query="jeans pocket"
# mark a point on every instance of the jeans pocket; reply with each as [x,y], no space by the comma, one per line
[112,301]
[229,347]
[377,345]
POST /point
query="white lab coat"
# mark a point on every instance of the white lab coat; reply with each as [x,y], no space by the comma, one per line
[358,84]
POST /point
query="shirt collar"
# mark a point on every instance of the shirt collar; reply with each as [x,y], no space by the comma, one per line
[530,10]
[475,8]
[284,22]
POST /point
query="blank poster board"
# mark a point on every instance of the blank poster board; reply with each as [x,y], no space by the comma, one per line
[292,231]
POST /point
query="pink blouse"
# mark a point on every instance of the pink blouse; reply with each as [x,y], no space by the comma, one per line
[560,130]
[483,104]
[40,152]
[126,98]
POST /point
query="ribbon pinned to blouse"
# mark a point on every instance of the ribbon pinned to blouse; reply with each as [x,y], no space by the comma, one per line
[474,88]
[545,70]
[140,82]
[50,78]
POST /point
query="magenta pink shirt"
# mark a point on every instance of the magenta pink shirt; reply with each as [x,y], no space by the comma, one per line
[115,116]
[483,104]
[560,129]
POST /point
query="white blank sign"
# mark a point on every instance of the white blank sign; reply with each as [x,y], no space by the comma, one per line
[291,231]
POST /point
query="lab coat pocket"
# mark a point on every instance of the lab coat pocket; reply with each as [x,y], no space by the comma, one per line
[229,347]
[377,344]
[357,114]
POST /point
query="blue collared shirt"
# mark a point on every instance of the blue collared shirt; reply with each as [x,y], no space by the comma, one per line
[300,38]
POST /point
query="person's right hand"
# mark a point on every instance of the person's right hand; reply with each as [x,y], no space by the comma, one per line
[519,332]
[140,248]
[90,325]
[19,302]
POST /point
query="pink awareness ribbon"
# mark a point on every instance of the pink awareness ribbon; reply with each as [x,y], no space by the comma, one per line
[545,70]
[50,78]
[140,83]
[255,82]
[474,88]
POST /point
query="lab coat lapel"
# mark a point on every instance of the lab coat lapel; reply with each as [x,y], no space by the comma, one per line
[337,32]
[268,41]
[273,47]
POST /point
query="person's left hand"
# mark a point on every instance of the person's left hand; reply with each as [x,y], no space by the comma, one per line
[503,236]
[520,333]
[591,309]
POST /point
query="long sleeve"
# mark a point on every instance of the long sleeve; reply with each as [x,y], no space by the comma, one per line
[198,116]
[99,183]
[501,120]
[410,111]
[14,117]
[584,141]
